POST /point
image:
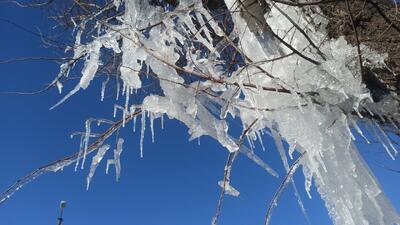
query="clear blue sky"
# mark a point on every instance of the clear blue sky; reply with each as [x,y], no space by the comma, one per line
[174,184]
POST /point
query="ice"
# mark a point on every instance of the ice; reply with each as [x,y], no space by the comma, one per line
[308,99]
[72,92]
[151,127]
[124,113]
[118,88]
[143,127]
[82,150]
[228,188]
[91,65]
[104,121]
[260,139]
[95,162]
[281,149]
[252,156]
[134,124]
[359,131]
[282,187]
[92,51]
[116,161]
[162,121]
[282,153]
[291,150]
[387,139]
[221,129]
[88,71]
[59,86]
[86,140]
[103,87]
[127,95]
[117,3]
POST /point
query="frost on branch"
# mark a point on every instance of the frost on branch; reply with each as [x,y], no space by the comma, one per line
[268,64]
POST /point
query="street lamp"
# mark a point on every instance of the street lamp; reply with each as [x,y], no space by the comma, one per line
[63,204]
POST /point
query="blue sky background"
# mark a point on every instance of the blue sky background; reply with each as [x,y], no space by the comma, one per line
[174,184]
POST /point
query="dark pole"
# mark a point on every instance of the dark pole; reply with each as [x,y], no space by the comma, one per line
[62,206]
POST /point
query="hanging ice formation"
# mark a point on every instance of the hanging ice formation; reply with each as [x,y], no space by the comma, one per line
[95,162]
[116,161]
[304,88]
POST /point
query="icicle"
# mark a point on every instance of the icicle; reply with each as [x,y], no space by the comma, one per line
[123,118]
[253,157]
[358,113]
[162,121]
[300,203]
[249,142]
[116,161]
[393,123]
[369,111]
[387,139]
[72,92]
[95,162]
[252,144]
[103,87]
[86,141]
[151,127]
[143,127]
[224,111]
[115,111]
[109,162]
[134,123]
[281,149]
[349,132]
[260,140]
[118,88]
[59,86]
[80,152]
[127,99]
[359,131]
[292,147]
[124,112]
[386,147]
[307,183]
[123,88]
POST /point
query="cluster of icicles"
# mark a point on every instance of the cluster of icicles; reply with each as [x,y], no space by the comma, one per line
[308,105]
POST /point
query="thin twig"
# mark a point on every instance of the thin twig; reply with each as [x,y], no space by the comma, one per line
[357,39]
[282,187]
[54,166]
[227,172]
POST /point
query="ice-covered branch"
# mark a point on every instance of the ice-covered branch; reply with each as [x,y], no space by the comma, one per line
[268,63]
